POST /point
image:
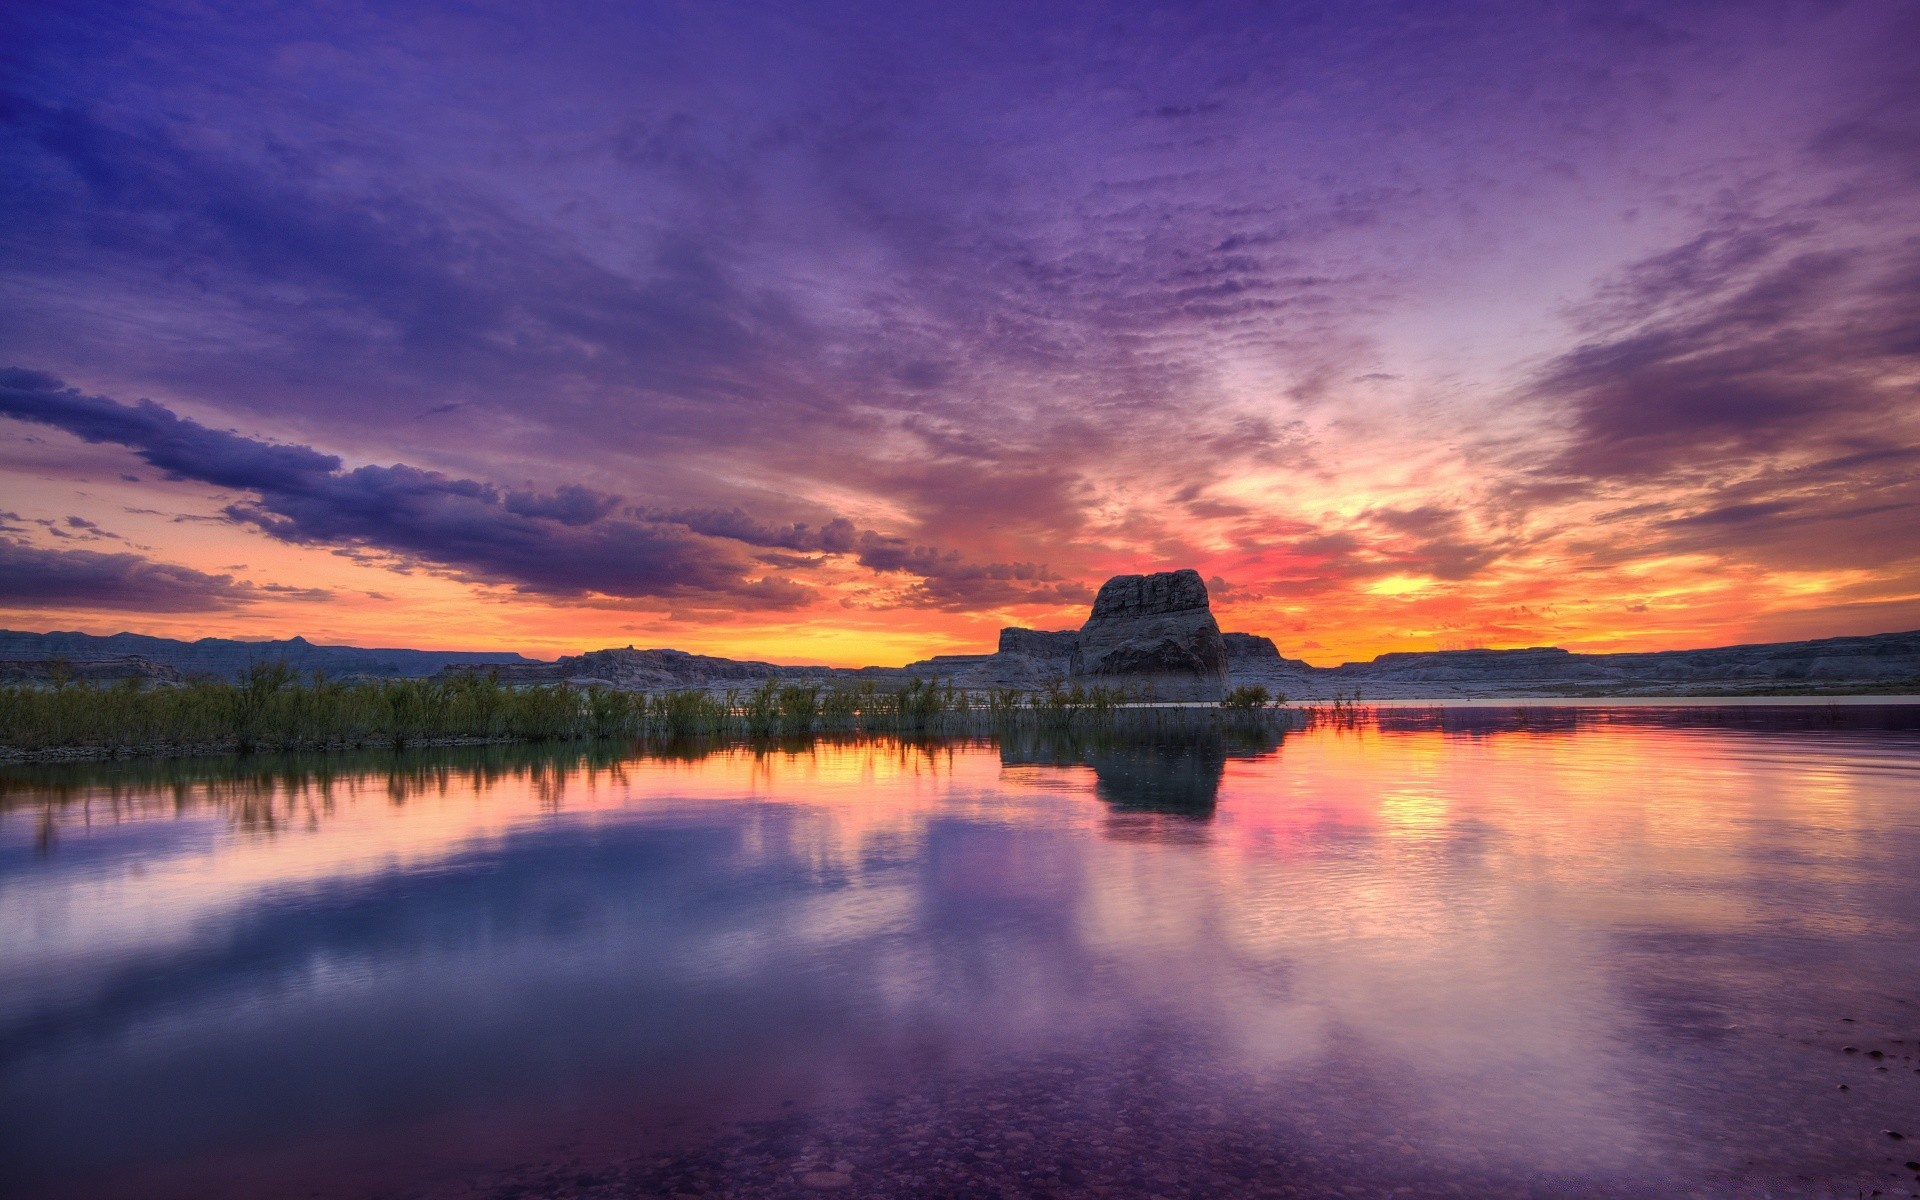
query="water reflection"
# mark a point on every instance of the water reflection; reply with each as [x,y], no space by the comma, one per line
[1582,955]
[1159,786]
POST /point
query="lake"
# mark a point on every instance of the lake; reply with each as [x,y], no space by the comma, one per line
[1490,952]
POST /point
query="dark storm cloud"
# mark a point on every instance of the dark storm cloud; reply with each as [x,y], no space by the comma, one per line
[37,577]
[569,504]
[389,286]
[1808,517]
[183,449]
[1754,388]
[944,579]
[949,581]
[1434,540]
[567,542]
[560,543]
[398,293]
[837,536]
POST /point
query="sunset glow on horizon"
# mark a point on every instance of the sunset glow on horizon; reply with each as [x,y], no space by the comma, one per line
[850,334]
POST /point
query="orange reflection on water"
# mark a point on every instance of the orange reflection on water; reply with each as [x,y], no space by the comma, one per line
[1610,943]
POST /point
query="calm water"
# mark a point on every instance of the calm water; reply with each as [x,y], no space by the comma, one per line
[1493,954]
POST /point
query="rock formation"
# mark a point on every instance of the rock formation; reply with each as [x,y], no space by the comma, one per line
[1250,648]
[1032,658]
[1249,653]
[1040,645]
[1145,631]
[1155,634]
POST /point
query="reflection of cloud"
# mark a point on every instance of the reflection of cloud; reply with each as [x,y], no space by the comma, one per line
[1468,937]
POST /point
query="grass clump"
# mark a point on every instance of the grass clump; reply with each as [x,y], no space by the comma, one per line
[1250,698]
[269,709]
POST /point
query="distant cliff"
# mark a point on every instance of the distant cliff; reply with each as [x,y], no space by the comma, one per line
[1149,635]
[126,655]
[674,670]
[1881,663]
[1157,632]
[1884,663]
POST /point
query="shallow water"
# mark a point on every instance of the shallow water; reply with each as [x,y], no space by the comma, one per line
[1486,953]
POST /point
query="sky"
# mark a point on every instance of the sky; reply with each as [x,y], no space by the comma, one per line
[852,332]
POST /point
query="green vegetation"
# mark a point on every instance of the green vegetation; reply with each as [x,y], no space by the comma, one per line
[269,710]
[1247,699]
[272,711]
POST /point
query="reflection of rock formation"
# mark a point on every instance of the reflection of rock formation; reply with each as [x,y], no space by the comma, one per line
[1180,777]
[1174,771]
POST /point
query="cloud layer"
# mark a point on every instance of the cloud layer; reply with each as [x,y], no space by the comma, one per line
[569,542]
[35,577]
[1490,322]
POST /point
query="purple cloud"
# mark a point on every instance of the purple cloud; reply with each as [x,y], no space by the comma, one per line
[37,577]
[565,543]
[1062,286]
[557,544]
[181,448]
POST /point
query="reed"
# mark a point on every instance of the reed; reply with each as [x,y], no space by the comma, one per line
[270,710]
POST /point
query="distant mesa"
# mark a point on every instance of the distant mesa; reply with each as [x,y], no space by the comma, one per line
[84,656]
[1146,634]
